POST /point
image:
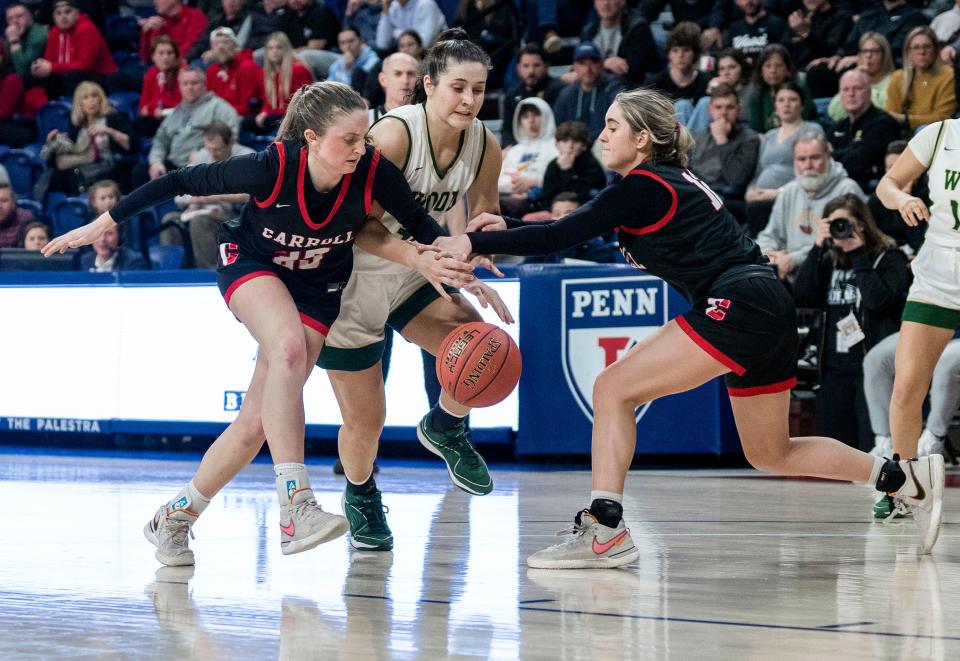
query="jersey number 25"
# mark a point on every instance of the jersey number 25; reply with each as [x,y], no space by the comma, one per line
[297,260]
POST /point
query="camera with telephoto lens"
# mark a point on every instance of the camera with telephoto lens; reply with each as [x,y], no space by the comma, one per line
[841,228]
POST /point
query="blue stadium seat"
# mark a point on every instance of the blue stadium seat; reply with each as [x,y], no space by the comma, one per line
[123,57]
[128,102]
[52,199]
[140,226]
[254,141]
[122,32]
[33,207]
[166,258]
[54,115]
[23,168]
[70,214]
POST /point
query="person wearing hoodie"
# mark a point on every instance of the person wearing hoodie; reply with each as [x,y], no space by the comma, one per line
[791,230]
[233,76]
[533,70]
[857,278]
[75,52]
[524,164]
[185,25]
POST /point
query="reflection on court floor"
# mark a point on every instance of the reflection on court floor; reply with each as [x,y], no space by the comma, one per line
[730,568]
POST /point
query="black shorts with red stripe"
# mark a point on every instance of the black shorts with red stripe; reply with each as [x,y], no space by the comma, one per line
[749,324]
[317,302]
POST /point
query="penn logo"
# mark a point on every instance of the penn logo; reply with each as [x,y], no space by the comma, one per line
[603,319]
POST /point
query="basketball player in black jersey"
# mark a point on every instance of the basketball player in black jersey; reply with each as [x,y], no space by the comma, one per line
[282,267]
[742,325]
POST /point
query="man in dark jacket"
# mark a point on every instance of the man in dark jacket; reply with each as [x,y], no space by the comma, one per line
[814,34]
[588,98]
[624,40]
[108,255]
[535,80]
[860,141]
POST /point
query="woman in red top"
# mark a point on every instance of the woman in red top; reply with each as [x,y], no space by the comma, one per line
[160,94]
[283,74]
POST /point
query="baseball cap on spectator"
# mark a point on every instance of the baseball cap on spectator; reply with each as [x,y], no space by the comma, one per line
[587,50]
[225,32]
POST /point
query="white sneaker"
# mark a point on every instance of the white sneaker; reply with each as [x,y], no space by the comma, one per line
[925,478]
[930,443]
[594,546]
[882,446]
[307,525]
[168,532]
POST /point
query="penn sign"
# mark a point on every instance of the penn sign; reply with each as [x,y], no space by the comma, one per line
[603,318]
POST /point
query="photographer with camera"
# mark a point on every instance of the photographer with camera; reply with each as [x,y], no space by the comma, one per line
[857,278]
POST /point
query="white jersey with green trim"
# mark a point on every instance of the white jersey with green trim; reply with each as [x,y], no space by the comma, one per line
[937,146]
[437,192]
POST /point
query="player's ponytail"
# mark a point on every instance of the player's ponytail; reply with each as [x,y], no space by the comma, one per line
[316,106]
[653,112]
[451,45]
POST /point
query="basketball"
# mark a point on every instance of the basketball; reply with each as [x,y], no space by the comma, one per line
[478,364]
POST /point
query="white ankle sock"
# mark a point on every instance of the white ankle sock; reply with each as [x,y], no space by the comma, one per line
[363,481]
[606,495]
[291,478]
[189,499]
[448,411]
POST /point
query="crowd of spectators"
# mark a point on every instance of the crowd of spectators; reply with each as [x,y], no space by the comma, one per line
[798,107]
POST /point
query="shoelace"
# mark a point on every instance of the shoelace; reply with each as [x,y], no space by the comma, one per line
[374,511]
[899,507]
[460,441]
[576,528]
[308,509]
[179,530]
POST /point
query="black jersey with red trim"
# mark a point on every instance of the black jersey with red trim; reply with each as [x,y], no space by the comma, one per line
[667,220]
[287,220]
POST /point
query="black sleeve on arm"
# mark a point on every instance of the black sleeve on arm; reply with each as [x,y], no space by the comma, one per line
[595,218]
[255,174]
[392,191]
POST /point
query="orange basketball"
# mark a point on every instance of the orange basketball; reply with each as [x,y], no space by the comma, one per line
[478,364]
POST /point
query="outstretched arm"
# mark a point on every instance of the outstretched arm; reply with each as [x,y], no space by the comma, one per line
[250,173]
[602,214]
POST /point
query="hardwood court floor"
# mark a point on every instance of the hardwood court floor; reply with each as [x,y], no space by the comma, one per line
[732,567]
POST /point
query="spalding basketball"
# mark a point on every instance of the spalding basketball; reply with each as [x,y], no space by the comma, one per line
[478,364]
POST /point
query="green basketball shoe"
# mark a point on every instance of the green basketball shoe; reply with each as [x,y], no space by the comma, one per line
[466,467]
[368,522]
[885,509]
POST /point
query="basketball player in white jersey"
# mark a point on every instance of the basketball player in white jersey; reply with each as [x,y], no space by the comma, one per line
[446,154]
[932,313]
